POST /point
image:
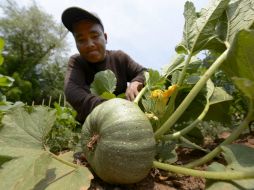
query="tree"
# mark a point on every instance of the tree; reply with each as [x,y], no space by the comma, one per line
[34,43]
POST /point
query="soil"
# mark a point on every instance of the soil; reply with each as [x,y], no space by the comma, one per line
[161,180]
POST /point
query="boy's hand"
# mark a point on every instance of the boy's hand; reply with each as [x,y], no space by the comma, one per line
[133,90]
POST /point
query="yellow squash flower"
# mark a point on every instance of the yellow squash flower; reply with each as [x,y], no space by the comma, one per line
[163,94]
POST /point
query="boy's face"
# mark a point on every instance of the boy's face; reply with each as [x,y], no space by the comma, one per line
[90,40]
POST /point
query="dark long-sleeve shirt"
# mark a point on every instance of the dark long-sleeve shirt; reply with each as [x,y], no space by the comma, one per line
[80,74]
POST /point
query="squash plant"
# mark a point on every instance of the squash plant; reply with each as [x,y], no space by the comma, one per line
[183,96]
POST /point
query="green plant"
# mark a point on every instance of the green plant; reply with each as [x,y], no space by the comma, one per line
[225,27]
[232,42]
[25,160]
[64,134]
[5,82]
[34,52]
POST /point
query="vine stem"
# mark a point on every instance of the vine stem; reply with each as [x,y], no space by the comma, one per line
[223,175]
[140,94]
[187,129]
[63,161]
[171,104]
[234,135]
[60,160]
[185,140]
[190,97]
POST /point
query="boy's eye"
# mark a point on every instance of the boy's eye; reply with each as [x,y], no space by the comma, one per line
[95,35]
[80,41]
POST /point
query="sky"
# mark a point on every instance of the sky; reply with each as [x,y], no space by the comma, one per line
[147,30]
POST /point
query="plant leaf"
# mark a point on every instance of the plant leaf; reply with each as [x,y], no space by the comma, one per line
[154,79]
[24,172]
[175,64]
[192,79]
[64,177]
[1,45]
[1,49]
[200,33]
[166,152]
[5,80]
[209,89]
[189,29]
[240,58]
[25,130]
[237,162]
[247,88]
[24,164]
[36,169]
[238,158]
[122,95]
[107,95]
[219,102]
[1,59]
[245,85]
[240,15]
[219,95]
[104,81]
[222,27]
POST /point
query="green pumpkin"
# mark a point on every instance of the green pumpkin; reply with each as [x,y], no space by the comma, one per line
[118,142]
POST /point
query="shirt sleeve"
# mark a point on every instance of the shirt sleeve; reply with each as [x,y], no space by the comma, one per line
[77,92]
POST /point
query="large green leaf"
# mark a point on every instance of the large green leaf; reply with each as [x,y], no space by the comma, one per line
[240,14]
[246,86]
[64,177]
[25,165]
[239,158]
[240,58]
[175,64]
[26,130]
[5,105]
[219,103]
[37,169]
[154,79]
[219,95]
[189,28]
[24,172]
[200,33]
[104,81]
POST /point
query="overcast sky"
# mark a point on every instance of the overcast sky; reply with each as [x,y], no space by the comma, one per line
[148,30]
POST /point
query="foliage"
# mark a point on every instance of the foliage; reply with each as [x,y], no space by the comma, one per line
[34,42]
[5,81]
[104,85]
[25,161]
[235,162]
[202,92]
[52,80]
[64,134]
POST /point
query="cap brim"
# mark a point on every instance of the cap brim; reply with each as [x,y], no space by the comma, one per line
[75,14]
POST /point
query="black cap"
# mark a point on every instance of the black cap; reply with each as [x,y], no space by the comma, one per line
[74,14]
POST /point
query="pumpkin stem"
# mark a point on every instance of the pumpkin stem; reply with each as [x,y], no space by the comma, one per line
[93,141]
